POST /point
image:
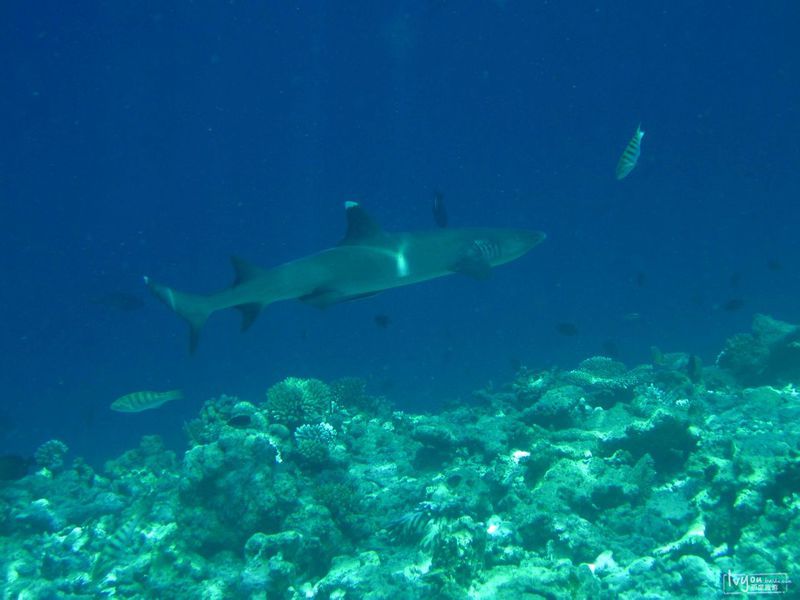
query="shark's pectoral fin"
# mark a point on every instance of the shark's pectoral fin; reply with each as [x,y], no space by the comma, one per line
[250,313]
[476,267]
[324,297]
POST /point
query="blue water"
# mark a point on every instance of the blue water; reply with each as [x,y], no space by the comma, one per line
[159,139]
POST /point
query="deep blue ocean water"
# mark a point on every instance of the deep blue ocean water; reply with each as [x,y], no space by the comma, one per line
[160,138]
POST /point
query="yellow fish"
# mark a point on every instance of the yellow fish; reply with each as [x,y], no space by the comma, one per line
[139,401]
[631,154]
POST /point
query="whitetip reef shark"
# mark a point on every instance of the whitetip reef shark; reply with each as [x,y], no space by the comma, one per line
[366,262]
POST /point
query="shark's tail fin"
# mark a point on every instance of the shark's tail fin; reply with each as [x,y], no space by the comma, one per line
[193,308]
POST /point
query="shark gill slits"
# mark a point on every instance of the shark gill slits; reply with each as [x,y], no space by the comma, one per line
[486,249]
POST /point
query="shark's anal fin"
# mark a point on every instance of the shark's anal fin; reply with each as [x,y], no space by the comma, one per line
[250,313]
[360,226]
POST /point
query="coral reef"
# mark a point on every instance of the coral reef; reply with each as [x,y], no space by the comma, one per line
[294,401]
[594,482]
[314,442]
[769,354]
[50,455]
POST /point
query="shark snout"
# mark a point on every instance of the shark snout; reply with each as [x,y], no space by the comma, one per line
[521,241]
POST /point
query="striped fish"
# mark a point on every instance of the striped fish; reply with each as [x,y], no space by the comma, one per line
[139,401]
[631,154]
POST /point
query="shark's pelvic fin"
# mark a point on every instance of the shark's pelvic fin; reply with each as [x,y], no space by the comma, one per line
[360,226]
[193,308]
[250,313]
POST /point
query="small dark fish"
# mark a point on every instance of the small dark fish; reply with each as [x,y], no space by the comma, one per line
[774,265]
[87,414]
[640,279]
[630,156]
[694,369]
[567,329]
[610,349]
[733,304]
[385,386]
[240,421]
[658,356]
[14,467]
[120,301]
[439,211]
[382,321]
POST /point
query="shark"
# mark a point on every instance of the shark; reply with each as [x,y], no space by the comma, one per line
[367,261]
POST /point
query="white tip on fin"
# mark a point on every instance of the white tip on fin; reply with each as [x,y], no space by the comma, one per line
[350,204]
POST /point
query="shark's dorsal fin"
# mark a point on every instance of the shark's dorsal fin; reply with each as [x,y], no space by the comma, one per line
[244,271]
[360,226]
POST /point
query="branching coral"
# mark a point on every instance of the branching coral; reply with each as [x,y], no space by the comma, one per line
[295,401]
